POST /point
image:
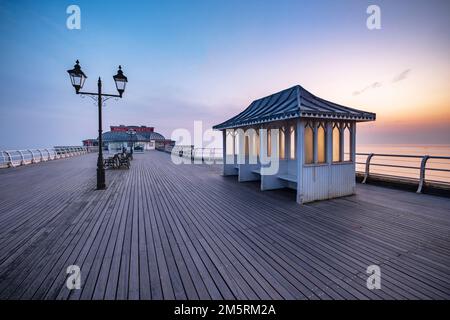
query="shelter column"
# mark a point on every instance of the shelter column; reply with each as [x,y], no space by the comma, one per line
[287,142]
[353,142]
[224,144]
[353,152]
[228,160]
[300,131]
[248,164]
[262,144]
[233,134]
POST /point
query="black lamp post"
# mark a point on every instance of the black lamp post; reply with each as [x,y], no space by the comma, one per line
[77,77]
[132,134]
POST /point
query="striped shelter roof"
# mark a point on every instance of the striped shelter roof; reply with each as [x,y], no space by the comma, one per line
[295,102]
[123,136]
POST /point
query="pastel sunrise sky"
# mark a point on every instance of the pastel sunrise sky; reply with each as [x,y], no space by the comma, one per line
[207,60]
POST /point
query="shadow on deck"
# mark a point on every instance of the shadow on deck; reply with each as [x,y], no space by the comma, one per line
[162,231]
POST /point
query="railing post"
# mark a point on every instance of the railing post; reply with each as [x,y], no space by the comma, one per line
[10,163]
[32,156]
[22,162]
[42,157]
[422,173]
[366,173]
[48,155]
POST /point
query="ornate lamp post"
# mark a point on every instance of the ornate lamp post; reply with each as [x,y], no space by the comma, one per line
[132,134]
[77,77]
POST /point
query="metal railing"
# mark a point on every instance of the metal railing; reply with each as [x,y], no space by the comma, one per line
[418,168]
[204,154]
[14,158]
[207,154]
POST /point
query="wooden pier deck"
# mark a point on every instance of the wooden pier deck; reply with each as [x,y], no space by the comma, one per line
[162,231]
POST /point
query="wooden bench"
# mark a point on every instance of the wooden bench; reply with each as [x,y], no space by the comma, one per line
[118,160]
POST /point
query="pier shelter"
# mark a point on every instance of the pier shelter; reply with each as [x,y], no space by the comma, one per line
[294,139]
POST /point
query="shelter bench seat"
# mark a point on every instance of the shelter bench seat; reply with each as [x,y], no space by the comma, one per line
[288,177]
[257,171]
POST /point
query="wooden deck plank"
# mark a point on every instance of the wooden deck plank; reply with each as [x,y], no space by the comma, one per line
[166,231]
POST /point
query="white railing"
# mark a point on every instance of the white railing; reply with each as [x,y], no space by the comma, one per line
[14,158]
[416,169]
[419,169]
[208,154]
[204,154]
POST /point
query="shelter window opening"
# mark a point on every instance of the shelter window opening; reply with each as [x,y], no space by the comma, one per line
[292,143]
[347,143]
[281,145]
[336,142]
[321,143]
[309,143]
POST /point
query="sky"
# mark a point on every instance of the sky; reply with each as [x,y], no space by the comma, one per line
[208,60]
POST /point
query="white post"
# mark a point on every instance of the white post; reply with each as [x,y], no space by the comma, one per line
[228,160]
[353,152]
[299,158]
[10,162]
[42,156]
[287,142]
[224,149]
[353,142]
[33,160]
[423,167]
[241,146]
[22,162]
[262,144]
[233,134]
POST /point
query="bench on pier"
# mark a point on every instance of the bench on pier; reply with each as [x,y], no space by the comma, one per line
[118,160]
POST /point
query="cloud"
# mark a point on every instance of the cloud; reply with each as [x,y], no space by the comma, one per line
[371,86]
[401,76]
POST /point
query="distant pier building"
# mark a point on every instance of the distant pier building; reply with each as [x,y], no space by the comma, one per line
[140,138]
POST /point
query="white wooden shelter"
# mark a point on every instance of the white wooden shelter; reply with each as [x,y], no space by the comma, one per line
[316,150]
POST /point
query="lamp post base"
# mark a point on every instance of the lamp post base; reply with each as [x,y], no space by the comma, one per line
[101,185]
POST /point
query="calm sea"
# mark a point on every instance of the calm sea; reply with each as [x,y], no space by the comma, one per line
[397,163]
